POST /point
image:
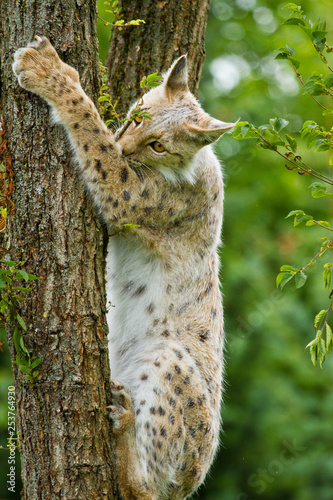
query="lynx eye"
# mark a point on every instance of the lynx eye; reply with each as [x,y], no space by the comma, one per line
[138,119]
[157,146]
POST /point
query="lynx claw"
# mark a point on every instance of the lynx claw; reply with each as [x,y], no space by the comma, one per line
[121,410]
[121,395]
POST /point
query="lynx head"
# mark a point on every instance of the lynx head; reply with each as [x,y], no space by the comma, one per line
[178,128]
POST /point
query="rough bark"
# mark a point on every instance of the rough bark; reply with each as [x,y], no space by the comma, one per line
[62,418]
[173,28]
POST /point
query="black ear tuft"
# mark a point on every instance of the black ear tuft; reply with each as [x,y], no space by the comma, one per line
[177,78]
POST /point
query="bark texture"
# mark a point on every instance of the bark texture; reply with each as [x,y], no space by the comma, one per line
[62,419]
[173,28]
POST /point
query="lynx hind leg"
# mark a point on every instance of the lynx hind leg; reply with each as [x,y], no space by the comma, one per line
[131,479]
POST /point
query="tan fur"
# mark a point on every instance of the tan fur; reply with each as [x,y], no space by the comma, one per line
[166,332]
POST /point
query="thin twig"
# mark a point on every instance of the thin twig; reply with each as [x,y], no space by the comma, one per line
[307,169]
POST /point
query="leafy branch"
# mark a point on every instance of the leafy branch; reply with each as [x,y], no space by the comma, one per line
[11,297]
[118,19]
[108,108]
[318,347]
[138,114]
[315,136]
[269,137]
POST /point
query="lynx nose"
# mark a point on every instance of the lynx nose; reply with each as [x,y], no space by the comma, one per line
[127,145]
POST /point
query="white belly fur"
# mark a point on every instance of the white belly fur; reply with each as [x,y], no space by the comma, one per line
[130,267]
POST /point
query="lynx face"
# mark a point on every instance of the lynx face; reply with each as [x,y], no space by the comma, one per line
[178,128]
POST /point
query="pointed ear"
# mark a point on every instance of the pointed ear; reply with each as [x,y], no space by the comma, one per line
[209,130]
[176,77]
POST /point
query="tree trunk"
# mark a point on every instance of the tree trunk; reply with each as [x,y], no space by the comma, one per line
[62,418]
[172,28]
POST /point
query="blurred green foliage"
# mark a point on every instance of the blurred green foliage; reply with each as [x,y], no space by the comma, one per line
[276,441]
[277,416]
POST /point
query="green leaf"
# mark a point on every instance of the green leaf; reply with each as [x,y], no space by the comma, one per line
[244,130]
[323,145]
[23,274]
[327,276]
[312,138]
[104,98]
[324,223]
[143,82]
[22,289]
[319,36]
[292,142]
[285,55]
[300,279]
[294,20]
[319,190]
[283,278]
[18,359]
[154,77]
[291,50]
[322,352]
[319,318]
[287,268]
[2,283]
[129,227]
[301,218]
[278,123]
[279,279]
[313,342]
[21,322]
[9,262]
[273,138]
[35,363]
[19,343]
[314,354]
[295,212]
[25,369]
[329,339]
[136,22]
[32,277]
[293,7]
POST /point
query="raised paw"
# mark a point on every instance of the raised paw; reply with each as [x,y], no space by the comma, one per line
[121,409]
[39,69]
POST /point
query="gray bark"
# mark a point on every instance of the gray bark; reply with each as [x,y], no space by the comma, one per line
[62,419]
[173,28]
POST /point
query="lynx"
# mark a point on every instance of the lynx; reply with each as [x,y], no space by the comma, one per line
[166,332]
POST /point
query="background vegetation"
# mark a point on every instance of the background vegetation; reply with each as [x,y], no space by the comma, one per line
[277,442]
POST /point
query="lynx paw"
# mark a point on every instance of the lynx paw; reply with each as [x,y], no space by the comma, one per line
[121,409]
[38,67]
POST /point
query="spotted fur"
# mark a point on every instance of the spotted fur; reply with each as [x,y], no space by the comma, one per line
[166,332]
